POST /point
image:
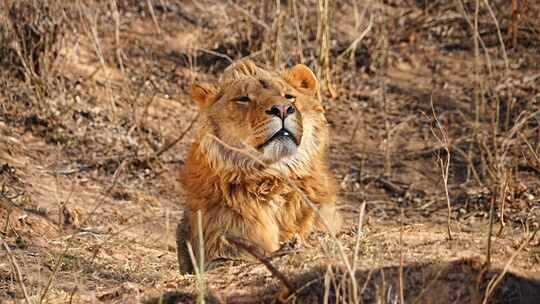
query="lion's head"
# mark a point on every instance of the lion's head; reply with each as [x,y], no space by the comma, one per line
[273,117]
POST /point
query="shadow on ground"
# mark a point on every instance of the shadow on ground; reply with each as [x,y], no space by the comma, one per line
[460,281]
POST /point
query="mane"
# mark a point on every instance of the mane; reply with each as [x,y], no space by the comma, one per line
[242,70]
[240,162]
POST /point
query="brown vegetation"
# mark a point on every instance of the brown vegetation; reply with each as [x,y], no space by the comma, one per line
[433,111]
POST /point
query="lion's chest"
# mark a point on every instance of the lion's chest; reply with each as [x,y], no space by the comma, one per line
[268,196]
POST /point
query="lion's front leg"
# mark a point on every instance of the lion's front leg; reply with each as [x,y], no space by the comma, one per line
[183,234]
[218,222]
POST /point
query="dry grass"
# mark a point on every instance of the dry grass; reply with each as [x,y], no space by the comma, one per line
[94,124]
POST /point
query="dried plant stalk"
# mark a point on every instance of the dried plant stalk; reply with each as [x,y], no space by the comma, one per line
[17,270]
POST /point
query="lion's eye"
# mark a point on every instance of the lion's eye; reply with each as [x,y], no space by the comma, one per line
[289,96]
[242,99]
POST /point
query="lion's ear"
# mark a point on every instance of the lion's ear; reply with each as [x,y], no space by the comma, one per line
[301,77]
[203,94]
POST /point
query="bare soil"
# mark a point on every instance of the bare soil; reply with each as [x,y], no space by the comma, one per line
[89,193]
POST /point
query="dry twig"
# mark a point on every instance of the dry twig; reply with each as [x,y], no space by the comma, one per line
[359,234]
[198,266]
[497,279]
[178,139]
[256,253]
[61,256]
[444,164]
[153,14]
[490,230]
[17,270]
[401,286]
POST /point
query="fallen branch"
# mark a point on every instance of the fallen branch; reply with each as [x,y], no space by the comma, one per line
[255,252]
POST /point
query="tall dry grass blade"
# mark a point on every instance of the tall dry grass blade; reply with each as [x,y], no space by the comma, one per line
[153,14]
[198,265]
[17,270]
[323,40]
[496,123]
[499,35]
[532,151]
[475,105]
[201,242]
[277,36]
[495,281]
[387,166]
[198,275]
[477,64]
[490,230]
[514,24]
[119,53]
[359,234]
[503,202]
[351,50]
[401,285]
[444,165]
[299,45]
[92,30]
[327,284]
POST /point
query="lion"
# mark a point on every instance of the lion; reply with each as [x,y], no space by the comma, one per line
[257,165]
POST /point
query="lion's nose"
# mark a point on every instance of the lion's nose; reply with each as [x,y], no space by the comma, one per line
[281,110]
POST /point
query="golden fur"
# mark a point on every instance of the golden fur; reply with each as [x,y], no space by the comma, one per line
[256,127]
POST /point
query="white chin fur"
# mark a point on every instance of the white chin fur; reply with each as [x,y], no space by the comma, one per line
[278,149]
